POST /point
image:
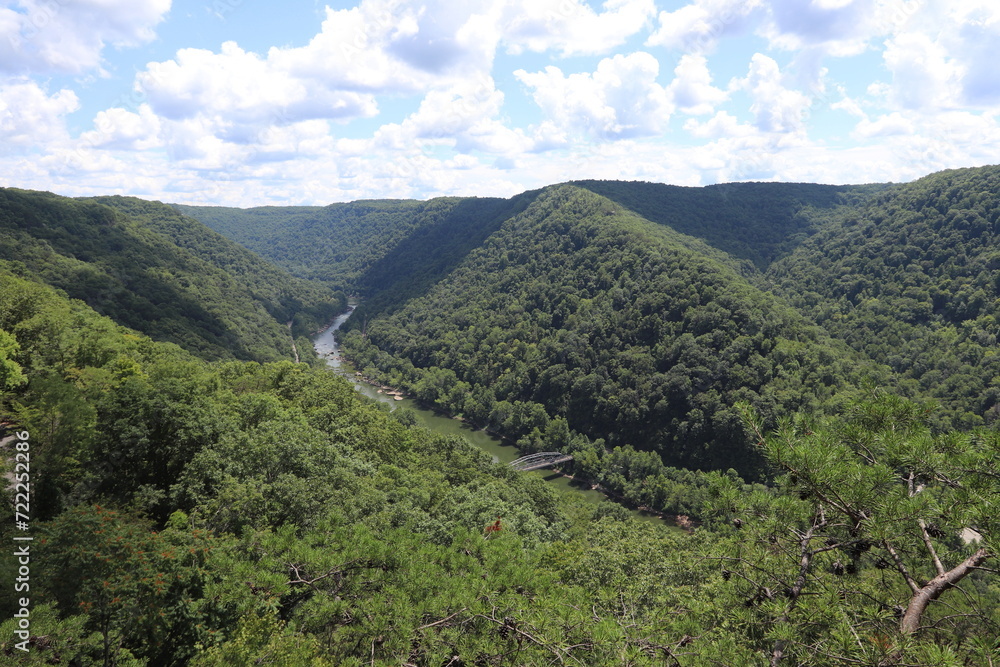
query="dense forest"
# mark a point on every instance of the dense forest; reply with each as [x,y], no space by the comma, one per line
[381,248]
[754,222]
[146,266]
[806,371]
[911,280]
[579,311]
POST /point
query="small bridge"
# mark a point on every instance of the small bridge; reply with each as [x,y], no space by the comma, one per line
[542,460]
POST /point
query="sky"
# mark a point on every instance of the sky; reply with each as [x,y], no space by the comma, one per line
[254,102]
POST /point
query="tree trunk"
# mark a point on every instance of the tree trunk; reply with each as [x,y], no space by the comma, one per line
[933,588]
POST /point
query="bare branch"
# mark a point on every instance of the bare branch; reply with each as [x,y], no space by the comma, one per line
[914,586]
[930,546]
[443,620]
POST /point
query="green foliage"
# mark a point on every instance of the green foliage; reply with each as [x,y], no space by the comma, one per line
[235,512]
[909,279]
[264,640]
[847,560]
[386,250]
[140,590]
[755,222]
[53,640]
[576,310]
[11,374]
[290,520]
[155,271]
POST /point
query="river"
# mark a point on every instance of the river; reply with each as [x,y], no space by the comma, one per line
[327,349]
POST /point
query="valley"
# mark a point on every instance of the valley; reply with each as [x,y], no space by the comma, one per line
[808,372]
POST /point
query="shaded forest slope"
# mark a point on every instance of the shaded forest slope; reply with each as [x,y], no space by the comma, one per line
[755,222]
[169,276]
[911,279]
[643,318]
[576,309]
[388,250]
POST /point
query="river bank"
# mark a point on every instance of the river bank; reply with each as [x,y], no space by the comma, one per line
[503,451]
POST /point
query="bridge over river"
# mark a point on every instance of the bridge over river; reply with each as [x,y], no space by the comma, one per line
[542,460]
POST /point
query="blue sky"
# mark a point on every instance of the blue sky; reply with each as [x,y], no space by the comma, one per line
[247,102]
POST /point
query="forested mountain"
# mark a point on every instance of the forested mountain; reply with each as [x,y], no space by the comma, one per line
[298,238]
[579,310]
[236,513]
[186,511]
[911,279]
[156,271]
[756,222]
[374,247]
[388,250]
[645,319]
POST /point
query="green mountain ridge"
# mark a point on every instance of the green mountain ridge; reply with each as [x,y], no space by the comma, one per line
[754,222]
[218,513]
[786,329]
[163,487]
[580,310]
[157,272]
[910,279]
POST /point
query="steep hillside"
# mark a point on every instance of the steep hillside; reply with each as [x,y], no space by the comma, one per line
[358,244]
[155,271]
[165,488]
[577,309]
[333,243]
[904,274]
[204,514]
[389,250]
[756,222]
[187,513]
[911,280]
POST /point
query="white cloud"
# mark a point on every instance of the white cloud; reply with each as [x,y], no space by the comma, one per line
[837,27]
[232,126]
[723,124]
[571,27]
[692,90]
[832,27]
[884,126]
[31,118]
[466,115]
[243,88]
[218,108]
[119,129]
[698,26]
[620,99]
[40,36]
[775,107]
[924,76]
[220,111]
[849,106]
[389,46]
[961,39]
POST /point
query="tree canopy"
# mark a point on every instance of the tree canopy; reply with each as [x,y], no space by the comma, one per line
[197,498]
